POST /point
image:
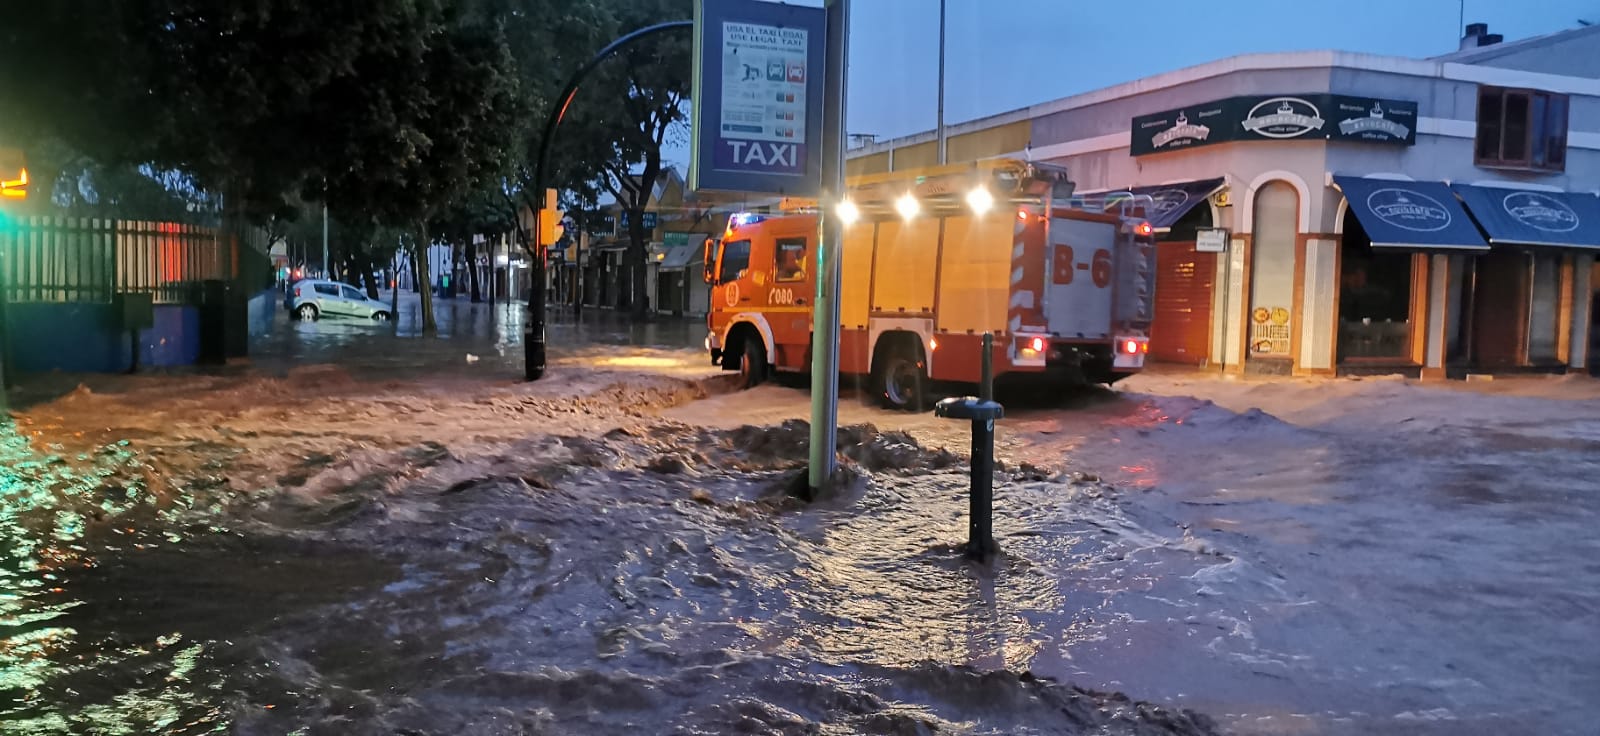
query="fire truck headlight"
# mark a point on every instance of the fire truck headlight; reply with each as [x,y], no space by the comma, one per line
[980,200]
[848,212]
[907,206]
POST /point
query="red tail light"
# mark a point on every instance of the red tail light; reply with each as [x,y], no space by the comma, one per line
[297,291]
[1144,229]
[1037,344]
[1130,347]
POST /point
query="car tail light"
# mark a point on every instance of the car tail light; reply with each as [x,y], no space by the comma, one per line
[297,291]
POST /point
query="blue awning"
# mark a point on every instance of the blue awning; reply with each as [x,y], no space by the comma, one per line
[1167,203]
[1415,215]
[1531,217]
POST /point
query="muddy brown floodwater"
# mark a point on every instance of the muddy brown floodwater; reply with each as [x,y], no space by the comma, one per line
[315,554]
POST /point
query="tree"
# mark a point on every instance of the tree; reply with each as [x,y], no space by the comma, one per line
[621,119]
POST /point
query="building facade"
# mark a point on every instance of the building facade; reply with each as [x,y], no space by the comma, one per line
[1331,212]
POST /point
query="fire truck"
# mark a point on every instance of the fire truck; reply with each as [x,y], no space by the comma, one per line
[931,260]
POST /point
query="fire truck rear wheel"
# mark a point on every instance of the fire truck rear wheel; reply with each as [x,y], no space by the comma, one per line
[902,381]
[753,363]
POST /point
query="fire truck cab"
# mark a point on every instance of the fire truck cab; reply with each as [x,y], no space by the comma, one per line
[932,260]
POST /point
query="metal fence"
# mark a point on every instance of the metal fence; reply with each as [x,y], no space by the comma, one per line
[68,259]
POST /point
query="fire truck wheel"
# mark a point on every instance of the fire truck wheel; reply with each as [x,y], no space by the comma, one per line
[753,364]
[902,381]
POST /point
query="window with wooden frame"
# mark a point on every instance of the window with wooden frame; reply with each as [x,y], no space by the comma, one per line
[1521,129]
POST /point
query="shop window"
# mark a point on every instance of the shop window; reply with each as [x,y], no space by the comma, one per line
[791,256]
[1521,129]
[1374,298]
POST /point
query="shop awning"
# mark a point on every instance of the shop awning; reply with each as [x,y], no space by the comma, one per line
[1419,215]
[1167,203]
[678,257]
[1532,217]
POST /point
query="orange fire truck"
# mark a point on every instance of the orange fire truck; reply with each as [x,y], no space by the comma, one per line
[932,260]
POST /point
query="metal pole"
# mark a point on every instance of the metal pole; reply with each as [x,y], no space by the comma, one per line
[577,263]
[830,238]
[533,326]
[325,271]
[941,83]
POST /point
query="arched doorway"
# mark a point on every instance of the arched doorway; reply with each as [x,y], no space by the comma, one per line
[1376,316]
[1274,229]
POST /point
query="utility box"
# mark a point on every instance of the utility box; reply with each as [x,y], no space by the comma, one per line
[134,311]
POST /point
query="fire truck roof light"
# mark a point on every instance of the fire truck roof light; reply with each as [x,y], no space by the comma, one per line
[980,200]
[907,205]
[848,212]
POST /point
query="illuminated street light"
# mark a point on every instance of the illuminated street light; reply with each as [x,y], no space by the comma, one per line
[906,205]
[980,200]
[848,212]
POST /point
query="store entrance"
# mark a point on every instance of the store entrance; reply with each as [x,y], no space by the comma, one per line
[1374,298]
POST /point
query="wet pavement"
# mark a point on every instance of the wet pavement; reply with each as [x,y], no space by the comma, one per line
[365,533]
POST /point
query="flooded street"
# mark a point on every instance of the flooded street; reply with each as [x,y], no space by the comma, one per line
[359,534]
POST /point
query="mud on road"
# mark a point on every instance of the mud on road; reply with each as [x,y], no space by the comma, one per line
[316,554]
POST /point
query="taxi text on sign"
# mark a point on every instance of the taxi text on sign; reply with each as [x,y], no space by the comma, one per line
[758,93]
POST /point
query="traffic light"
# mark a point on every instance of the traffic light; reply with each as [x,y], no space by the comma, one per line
[550,218]
[550,227]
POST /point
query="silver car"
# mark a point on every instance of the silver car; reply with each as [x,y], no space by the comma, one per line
[314,299]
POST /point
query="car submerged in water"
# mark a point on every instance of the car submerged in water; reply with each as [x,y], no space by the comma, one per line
[314,299]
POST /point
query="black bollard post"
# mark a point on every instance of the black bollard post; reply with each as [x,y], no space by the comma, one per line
[983,411]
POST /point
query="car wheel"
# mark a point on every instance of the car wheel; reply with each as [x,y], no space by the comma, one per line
[380,316]
[307,311]
[902,381]
[753,363]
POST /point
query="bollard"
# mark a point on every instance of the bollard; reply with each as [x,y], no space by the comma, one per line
[982,411]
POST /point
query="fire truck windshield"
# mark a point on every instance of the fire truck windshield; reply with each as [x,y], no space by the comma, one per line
[735,259]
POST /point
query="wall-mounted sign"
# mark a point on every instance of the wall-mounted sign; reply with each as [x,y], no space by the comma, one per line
[757,117]
[650,220]
[1277,117]
[1211,240]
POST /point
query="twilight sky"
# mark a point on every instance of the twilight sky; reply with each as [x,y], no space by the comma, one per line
[1005,54]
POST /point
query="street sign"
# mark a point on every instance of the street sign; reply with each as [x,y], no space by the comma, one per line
[650,220]
[758,92]
[1211,240]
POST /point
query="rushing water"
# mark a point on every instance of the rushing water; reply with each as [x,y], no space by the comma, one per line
[634,583]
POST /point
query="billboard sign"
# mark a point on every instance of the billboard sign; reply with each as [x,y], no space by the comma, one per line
[757,114]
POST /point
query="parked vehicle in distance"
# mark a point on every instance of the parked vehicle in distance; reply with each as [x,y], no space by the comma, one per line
[316,298]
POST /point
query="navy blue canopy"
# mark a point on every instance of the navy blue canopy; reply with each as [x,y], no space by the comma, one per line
[1532,217]
[1421,215]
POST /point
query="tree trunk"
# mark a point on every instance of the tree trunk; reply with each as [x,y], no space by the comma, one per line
[429,327]
[417,285]
[638,258]
[367,279]
[472,270]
